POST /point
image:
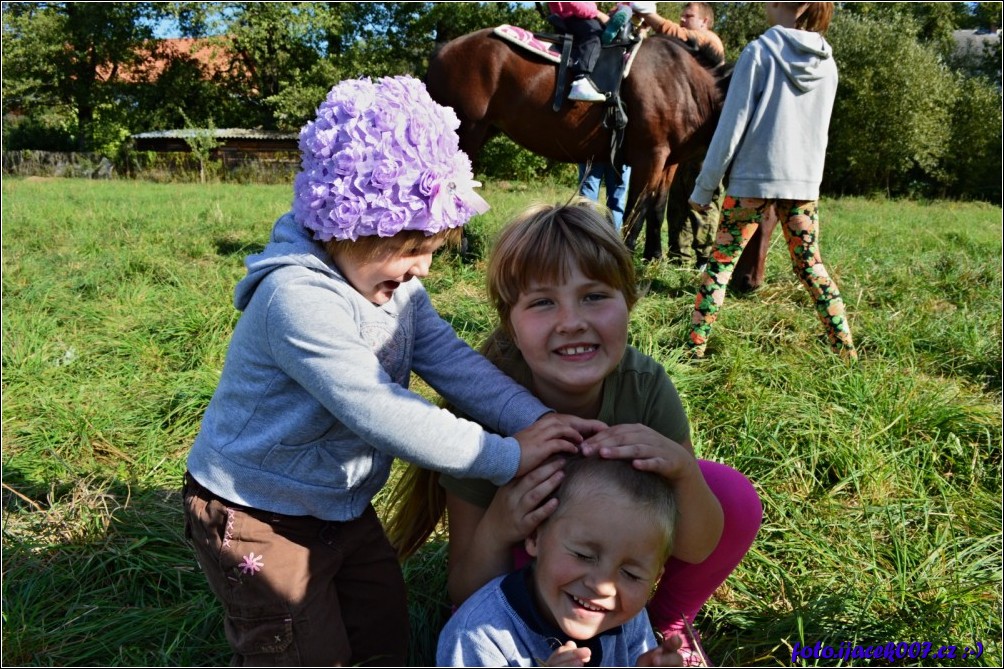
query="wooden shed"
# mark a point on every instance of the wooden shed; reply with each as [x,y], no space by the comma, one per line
[238,149]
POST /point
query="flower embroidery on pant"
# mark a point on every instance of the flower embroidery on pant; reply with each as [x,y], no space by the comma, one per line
[229,533]
[251,564]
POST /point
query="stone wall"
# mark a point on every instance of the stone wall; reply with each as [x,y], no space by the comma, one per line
[154,166]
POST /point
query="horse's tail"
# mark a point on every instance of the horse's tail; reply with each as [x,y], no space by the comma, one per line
[432,58]
[709,56]
[723,77]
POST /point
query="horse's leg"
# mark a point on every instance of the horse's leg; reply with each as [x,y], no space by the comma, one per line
[749,272]
[646,185]
[654,218]
[473,135]
[635,209]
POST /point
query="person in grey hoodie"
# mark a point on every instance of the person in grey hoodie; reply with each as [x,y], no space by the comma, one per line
[771,141]
[313,402]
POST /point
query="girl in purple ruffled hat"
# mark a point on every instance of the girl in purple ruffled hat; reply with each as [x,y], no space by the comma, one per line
[313,402]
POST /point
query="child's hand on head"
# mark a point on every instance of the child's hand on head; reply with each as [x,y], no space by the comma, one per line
[665,655]
[700,514]
[647,449]
[569,656]
[552,434]
[517,508]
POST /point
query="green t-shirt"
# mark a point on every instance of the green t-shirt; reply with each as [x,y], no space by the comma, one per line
[638,391]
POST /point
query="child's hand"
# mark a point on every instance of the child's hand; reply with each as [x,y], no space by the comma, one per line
[516,509]
[699,513]
[647,449]
[552,434]
[570,656]
[665,655]
[698,207]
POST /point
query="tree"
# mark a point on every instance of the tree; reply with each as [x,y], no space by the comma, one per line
[378,39]
[186,90]
[888,130]
[987,15]
[449,21]
[931,23]
[201,142]
[973,158]
[738,24]
[34,115]
[68,56]
[273,48]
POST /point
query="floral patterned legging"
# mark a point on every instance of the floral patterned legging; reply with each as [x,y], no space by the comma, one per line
[740,218]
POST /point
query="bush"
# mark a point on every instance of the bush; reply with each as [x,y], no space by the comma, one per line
[501,158]
[37,133]
[974,155]
[894,104]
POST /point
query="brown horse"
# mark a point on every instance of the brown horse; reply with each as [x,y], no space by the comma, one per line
[673,97]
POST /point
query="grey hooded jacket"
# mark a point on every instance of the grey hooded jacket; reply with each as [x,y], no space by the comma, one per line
[313,402]
[771,138]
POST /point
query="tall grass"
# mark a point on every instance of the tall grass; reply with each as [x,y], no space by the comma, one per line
[881,482]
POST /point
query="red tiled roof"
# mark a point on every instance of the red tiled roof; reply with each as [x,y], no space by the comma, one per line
[210,54]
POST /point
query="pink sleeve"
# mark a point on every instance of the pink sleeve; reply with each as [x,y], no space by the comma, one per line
[574,10]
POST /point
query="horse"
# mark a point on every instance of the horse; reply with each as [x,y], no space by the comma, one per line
[673,97]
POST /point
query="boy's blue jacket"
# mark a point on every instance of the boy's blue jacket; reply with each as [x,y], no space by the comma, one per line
[772,135]
[500,626]
[313,402]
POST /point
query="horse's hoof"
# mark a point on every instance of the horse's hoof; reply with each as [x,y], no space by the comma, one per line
[468,250]
[744,285]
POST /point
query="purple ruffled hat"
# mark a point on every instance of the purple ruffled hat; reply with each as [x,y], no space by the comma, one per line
[381,157]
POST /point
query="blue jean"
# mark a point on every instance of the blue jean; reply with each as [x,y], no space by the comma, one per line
[616,184]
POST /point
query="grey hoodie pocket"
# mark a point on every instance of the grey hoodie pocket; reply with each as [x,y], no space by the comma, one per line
[326,464]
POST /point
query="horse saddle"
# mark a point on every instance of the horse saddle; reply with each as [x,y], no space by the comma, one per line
[611,68]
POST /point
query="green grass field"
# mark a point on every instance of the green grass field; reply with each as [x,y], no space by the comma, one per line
[881,482]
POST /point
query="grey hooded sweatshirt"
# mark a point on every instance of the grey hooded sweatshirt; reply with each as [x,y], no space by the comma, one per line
[313,403]
[771,137]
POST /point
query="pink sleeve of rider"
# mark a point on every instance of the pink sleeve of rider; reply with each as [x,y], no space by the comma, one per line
[574,10]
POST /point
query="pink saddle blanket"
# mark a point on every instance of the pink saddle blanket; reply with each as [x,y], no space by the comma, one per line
[525,39]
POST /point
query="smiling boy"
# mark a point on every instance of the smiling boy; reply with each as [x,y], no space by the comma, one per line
[582,601]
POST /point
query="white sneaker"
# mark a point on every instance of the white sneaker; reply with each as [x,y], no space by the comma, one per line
[583,90]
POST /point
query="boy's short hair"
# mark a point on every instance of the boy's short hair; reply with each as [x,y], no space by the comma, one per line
[705,10]
[816,17]
[651,492]
[406,242]
[544,241]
